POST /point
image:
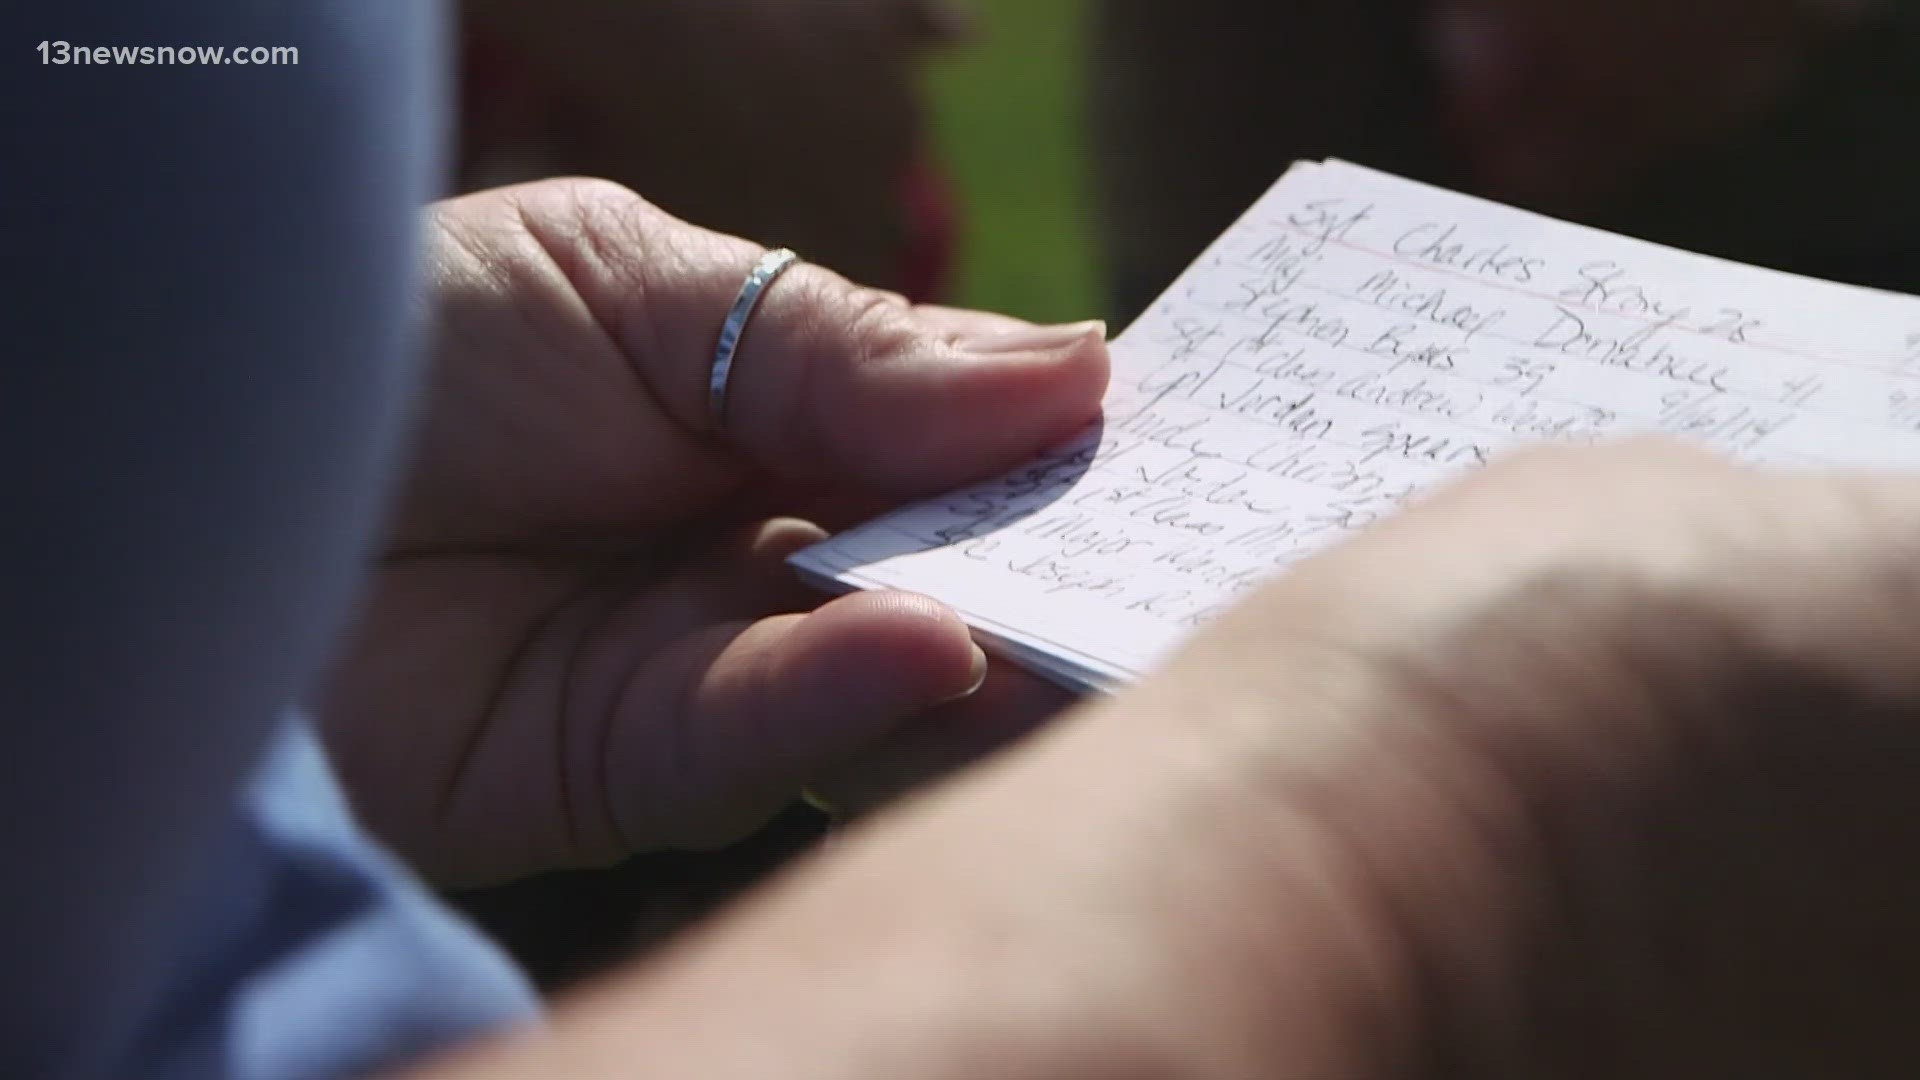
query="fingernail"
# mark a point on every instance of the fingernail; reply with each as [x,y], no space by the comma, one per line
[1034,339]
[977,677]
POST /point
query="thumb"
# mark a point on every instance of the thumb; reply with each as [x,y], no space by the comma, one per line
[764,707]
[831,381]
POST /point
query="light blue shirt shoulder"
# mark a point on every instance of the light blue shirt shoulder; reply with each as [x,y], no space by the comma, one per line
[210,355]
[318,956]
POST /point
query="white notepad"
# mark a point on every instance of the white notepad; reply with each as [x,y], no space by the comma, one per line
[1351,341]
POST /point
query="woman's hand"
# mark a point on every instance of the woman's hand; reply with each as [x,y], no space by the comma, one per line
[582,640]
[1603,763]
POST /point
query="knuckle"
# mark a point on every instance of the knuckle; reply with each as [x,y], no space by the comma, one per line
[594,192]
[851,328]
[879,321]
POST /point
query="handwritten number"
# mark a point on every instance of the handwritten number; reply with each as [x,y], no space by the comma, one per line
[1733,325]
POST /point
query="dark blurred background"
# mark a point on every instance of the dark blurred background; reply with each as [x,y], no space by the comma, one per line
[1063,159]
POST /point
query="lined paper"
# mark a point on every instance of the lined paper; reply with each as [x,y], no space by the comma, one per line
[1353,340]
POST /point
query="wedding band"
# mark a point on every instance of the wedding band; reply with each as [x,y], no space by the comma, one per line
[762,275]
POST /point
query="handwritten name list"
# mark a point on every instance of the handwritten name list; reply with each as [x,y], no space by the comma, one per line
[1353,340]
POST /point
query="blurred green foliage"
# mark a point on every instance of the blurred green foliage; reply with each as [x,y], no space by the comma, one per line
[1008,114]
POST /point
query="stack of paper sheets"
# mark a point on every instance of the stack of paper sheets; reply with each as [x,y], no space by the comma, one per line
[1352,341]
